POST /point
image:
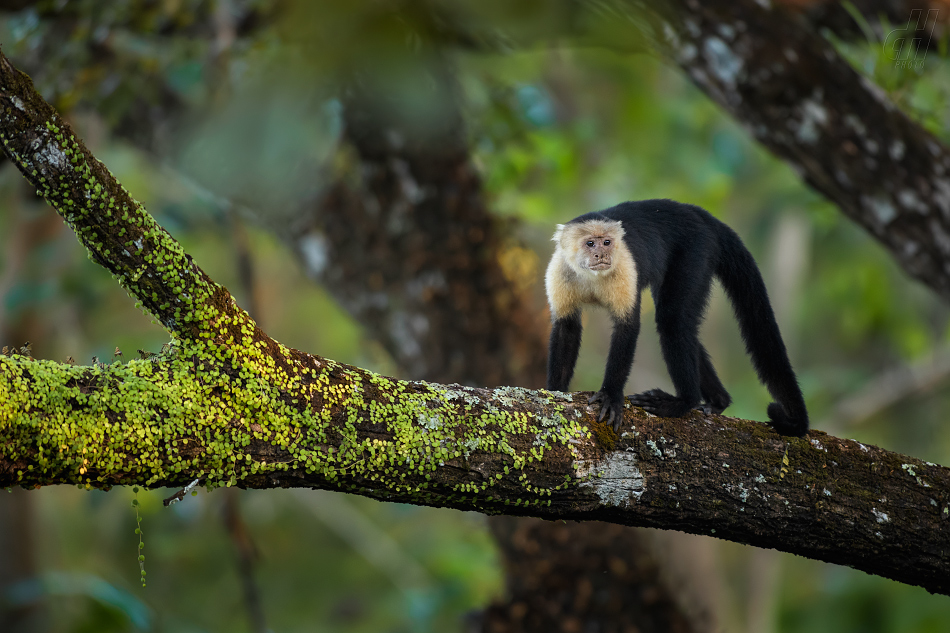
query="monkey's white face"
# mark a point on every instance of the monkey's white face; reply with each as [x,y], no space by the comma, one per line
[591,265]
[589,246]
[595,253]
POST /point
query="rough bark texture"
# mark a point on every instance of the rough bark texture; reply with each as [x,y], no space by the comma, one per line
[838,130]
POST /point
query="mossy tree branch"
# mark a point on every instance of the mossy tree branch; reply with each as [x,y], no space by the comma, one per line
[227,405]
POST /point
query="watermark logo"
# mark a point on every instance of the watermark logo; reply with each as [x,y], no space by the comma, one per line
[908,45]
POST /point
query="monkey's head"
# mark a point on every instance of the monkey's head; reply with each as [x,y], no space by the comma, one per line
[589,246]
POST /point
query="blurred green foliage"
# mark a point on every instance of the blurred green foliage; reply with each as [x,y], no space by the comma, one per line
[556,131]
[310,575]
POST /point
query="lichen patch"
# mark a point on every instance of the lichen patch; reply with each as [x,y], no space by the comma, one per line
[616,479]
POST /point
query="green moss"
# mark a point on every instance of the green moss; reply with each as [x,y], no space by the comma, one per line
[196,411]
[225,403]
[605,435]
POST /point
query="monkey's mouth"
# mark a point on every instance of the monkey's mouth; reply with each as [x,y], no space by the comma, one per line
[600,266]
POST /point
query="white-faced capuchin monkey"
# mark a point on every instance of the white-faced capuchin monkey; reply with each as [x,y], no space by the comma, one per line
[608,257]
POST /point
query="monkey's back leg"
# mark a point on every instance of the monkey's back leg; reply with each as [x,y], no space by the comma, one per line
[680,304]
[714,393]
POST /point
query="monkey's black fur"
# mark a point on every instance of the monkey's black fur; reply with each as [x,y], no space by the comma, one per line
[677,249]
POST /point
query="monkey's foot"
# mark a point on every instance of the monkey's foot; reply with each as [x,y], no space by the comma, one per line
[715,404]
[611,409]
[660,403]
[785,424]
[708,408]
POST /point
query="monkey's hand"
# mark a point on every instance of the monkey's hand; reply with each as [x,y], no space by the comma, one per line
[660,403]
[611,408]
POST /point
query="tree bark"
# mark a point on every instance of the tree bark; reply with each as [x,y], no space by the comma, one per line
[840,132]
[166,422]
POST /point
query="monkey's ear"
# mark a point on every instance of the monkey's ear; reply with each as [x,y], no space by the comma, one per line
[557,233]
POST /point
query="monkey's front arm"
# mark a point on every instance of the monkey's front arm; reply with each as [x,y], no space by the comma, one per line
[562,352]
[623,344]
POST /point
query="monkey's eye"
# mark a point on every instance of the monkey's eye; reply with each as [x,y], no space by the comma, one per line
[606,242]
[590,242]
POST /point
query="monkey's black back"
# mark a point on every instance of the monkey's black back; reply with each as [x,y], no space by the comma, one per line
[657,231]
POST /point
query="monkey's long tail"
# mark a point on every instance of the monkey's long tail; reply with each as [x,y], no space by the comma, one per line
[750,301]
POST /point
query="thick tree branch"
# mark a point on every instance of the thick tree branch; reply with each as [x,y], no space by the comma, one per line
[229,406]
[508,450]
[838,130]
